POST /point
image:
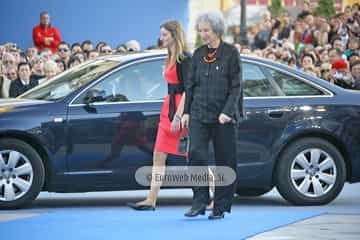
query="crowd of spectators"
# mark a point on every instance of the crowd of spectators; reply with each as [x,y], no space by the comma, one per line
[44,64]
[326,48]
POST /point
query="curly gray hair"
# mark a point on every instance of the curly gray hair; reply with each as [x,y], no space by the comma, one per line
[215,19]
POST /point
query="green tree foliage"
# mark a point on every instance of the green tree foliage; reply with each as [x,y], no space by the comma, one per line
[276,9]
[326,8]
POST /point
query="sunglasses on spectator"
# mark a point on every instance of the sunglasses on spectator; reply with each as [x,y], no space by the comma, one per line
[106,51]
[63,49]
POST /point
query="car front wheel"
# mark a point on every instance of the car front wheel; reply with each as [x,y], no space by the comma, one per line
[21,174]
[311,171]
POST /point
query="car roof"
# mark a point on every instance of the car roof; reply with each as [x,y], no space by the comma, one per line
[136,56]
[323,83]
[162,53]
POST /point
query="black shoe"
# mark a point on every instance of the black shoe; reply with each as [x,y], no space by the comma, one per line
[141,207]
[194,211]
[216,215]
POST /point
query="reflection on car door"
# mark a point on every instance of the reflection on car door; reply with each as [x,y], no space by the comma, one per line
[110,139]
[267,114]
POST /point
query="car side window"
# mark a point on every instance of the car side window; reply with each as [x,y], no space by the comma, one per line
[255,82]
[292,86]
[138,82]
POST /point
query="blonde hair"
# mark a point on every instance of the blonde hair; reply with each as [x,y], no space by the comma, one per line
[50,65]
[177,32]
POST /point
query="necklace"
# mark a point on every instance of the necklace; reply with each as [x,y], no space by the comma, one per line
[210,57]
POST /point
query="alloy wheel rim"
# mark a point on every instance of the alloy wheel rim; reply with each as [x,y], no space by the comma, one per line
[313,172]
[16,175]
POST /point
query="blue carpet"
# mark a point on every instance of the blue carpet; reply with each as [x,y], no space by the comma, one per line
[162,224]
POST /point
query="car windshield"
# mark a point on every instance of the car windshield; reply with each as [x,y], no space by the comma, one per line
[69,81]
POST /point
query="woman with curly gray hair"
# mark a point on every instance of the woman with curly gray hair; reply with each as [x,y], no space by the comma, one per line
[213,106]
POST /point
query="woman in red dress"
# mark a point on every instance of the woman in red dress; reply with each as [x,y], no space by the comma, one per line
[169,130]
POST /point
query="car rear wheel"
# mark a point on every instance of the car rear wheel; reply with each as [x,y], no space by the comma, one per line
[311,171]
[21,174]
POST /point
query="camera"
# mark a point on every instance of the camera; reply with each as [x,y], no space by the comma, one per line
[351,21]
[342,79]
[338,76]
[277,42]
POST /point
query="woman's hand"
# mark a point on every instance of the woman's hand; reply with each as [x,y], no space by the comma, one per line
[175,124]
[223,118]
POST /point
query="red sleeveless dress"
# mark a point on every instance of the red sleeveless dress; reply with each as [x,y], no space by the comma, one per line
[167,141]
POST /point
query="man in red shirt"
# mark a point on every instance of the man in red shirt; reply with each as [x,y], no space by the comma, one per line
[46,36]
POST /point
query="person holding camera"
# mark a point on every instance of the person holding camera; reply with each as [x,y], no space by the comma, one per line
[341,75]
[169,130]
[288,57]
[307,62]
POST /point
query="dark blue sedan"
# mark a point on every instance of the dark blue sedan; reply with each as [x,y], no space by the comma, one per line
[92,127]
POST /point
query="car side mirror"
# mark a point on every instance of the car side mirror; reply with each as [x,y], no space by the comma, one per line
[94,95]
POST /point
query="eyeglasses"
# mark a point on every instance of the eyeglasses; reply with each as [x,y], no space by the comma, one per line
[12,74]
[106,51]
[63,50]
[6,62]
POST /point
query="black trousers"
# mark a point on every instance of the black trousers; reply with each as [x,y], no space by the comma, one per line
[224,140]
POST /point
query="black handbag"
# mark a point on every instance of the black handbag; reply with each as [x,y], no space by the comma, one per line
[184,143]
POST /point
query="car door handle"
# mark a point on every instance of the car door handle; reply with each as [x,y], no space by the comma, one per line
[58,119]
[275,113]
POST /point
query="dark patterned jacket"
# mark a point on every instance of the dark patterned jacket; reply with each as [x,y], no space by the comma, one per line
[215,88]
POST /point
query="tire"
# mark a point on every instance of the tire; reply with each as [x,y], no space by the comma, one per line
[302,183]
[252,192]
[21,174]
